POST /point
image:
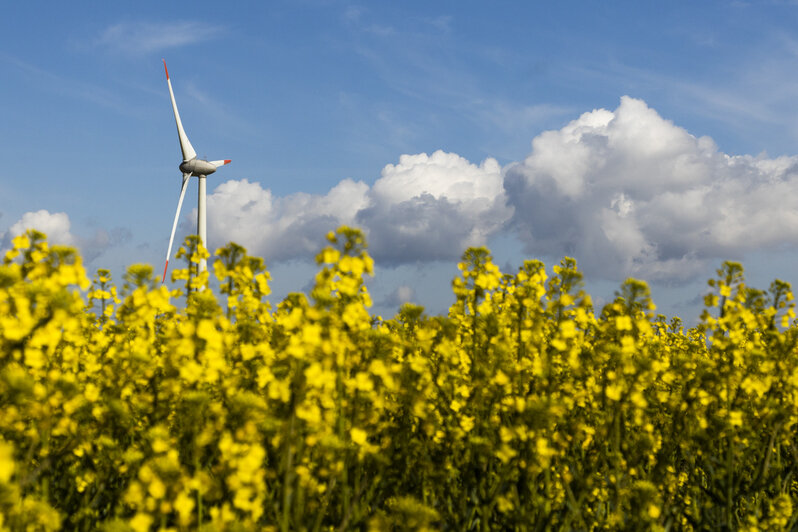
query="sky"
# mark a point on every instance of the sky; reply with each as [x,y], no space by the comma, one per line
[645,139]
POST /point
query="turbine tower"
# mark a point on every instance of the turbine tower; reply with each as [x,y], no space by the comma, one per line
[191,166]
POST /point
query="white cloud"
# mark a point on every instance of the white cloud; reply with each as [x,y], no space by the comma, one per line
[442,175]
[426,207]
[431,207]
[280,228]
[143,38]
[55,225]
[629,193]
[58,229]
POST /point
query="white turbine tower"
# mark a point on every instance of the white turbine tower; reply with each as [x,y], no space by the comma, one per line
[191,166]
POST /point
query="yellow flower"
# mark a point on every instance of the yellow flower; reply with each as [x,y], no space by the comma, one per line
[7,465]
[21,242]
[184,505]
[309,412]
[500,378]
[504,504]
[506,453]
[141,522]
[358,436]
[467,423]
[623,323]
[614,392]
[654,511]
[156,488]
[91,392]
[568,329]
[363,382]
[329,256]
[725,290]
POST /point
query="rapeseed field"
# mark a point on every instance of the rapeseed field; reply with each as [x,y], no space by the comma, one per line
[135,408]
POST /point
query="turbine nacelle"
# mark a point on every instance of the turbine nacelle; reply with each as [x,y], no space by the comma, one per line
[199,167]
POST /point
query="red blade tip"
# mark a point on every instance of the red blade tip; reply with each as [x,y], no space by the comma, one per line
[164,271]
[166,69]
[226,161]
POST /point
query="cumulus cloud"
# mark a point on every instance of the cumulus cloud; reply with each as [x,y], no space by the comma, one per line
[55,225]
[280,228]
[426,207]
[58,229]
[430,207]
[627,192]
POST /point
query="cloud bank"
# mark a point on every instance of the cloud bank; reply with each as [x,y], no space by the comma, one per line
[625,192]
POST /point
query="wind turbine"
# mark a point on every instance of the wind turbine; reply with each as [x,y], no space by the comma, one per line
[191,166]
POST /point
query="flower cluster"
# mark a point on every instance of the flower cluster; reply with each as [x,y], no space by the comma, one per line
[139,408]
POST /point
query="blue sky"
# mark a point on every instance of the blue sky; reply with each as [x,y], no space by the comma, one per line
[653,140]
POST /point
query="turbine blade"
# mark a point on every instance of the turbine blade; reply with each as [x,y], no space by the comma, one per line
[174,224]
[185,145]
[217,164]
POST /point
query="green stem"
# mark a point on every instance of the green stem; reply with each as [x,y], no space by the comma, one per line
[199,495]
[288,475]
[729,458]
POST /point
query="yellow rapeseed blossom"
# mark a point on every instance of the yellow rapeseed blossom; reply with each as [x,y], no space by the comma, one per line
[7,465]
[358,435]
